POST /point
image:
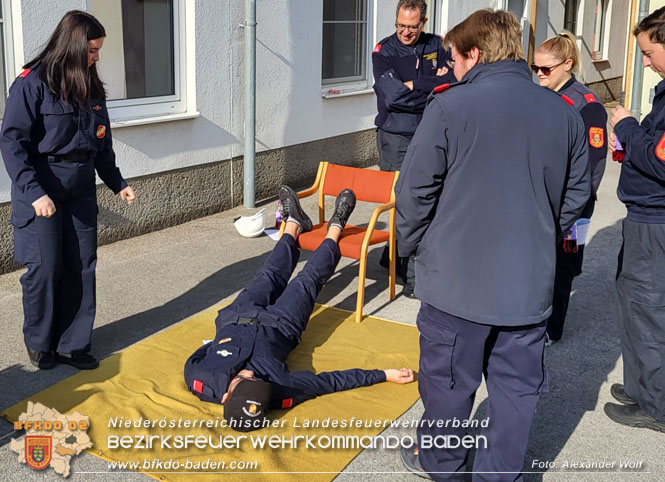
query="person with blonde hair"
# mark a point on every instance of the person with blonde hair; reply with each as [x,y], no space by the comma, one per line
[484,192]
[556,62]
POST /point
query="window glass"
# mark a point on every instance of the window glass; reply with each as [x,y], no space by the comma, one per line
[137,60]
[3,67]
[344,40]
[570,16]
[599,29]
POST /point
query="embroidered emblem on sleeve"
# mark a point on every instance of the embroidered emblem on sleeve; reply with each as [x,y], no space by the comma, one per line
[590,98]
[101,131]
[660,148]
[377,49]
[596,137]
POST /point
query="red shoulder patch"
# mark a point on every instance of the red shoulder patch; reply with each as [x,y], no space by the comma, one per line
[660,148]
[441,88]
[590,98]
[568,100]
[287,403]
[377,49]
[25,73]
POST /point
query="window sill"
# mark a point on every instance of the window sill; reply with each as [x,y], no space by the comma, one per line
[153,119]
[334,94]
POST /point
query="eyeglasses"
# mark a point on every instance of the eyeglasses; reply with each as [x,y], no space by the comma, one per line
[545,70]
[411,28]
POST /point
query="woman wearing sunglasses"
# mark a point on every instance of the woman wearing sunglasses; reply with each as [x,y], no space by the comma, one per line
[555,62]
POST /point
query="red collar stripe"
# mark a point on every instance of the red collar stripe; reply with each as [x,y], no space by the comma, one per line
[568,100]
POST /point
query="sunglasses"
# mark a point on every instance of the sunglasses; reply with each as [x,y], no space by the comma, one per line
[545,70]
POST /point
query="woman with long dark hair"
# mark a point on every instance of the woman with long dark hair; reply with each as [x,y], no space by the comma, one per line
[55,135]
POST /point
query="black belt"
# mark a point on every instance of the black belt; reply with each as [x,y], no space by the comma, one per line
[82,156]
[247,321]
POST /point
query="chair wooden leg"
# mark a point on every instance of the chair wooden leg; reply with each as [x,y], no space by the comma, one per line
[361,287]
[391,271]
[392,244]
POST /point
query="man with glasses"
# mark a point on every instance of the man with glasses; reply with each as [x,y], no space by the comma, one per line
[407,66]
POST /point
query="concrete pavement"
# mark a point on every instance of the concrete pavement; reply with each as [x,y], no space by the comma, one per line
[151,282]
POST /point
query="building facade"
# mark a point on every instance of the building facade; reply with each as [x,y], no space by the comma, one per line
[174,72]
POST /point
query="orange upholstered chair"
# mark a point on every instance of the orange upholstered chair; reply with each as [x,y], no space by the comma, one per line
[369,186]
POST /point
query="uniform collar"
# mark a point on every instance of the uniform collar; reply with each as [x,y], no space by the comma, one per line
[422,39]
[570,82]
[518,67]
[660,88]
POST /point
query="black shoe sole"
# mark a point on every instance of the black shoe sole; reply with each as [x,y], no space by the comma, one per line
[81,366]
[43,366]
[634,423]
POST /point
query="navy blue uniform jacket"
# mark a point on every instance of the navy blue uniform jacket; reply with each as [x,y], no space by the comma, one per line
[263,349]
[36,125]
[400,109]
[497,169]
[642,182]
[594,117]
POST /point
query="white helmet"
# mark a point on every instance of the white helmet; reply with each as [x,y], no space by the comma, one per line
[250,226]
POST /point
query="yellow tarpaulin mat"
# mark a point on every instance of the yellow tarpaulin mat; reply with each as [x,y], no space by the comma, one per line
[143,385]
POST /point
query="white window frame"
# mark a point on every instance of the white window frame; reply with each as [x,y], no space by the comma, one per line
[339,87]
[11,30]
[182,104]
[602,53]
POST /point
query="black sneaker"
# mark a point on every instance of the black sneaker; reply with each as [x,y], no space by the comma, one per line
[44,360]
[409,290]
[82,361]
[344,205]
[632,416]
[409,457]
[293,210]
[384,262]
[620,395]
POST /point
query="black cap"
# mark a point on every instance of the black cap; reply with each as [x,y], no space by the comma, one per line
[246,408]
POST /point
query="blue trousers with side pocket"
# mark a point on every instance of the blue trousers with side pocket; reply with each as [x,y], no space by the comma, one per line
[640,288]
[454,355]
[60,254]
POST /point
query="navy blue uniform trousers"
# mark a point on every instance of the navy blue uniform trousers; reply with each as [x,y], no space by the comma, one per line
[60,253]
[640,288]
[454,355]
[392,149]
[274,301]
[568,266]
